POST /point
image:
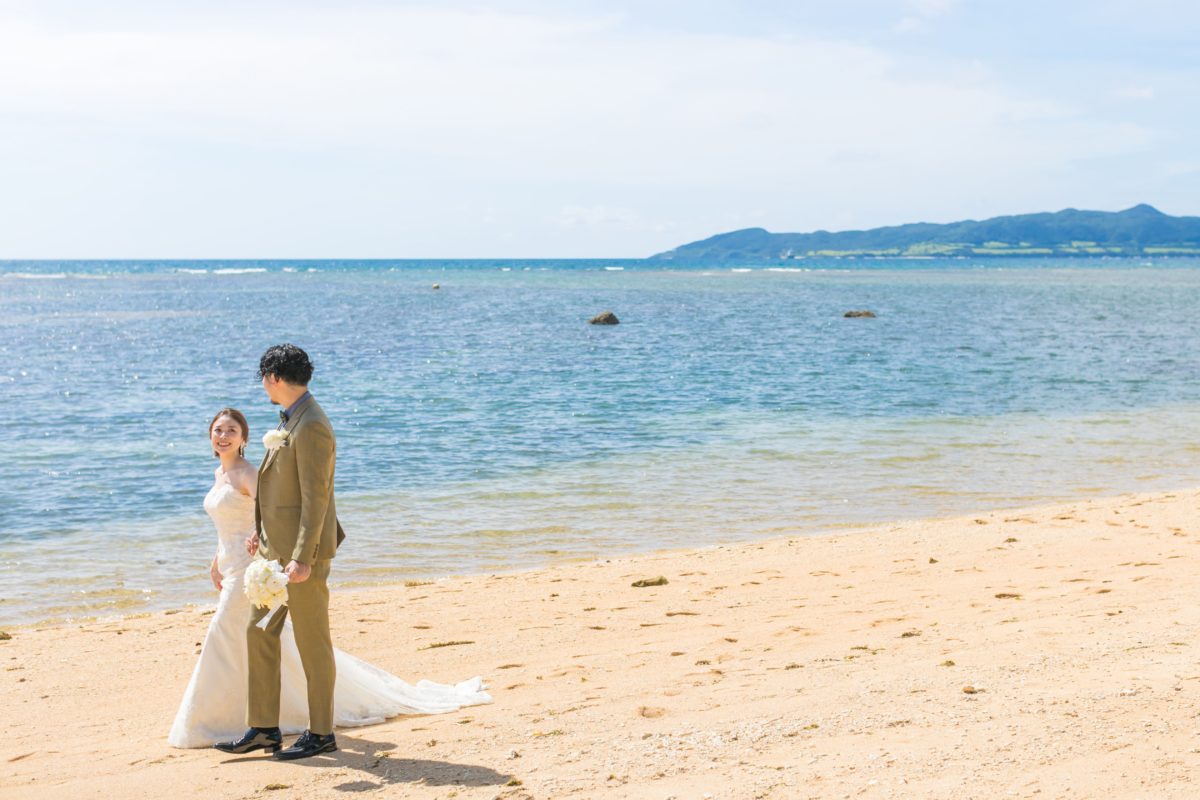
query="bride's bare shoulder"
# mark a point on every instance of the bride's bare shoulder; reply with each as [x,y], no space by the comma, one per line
[244,478]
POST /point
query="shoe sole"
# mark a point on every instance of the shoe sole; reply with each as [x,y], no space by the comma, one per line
[274,748]
[279,756]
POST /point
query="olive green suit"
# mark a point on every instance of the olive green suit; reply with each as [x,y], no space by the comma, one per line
[296,520]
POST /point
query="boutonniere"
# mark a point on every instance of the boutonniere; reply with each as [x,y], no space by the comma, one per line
[273,440]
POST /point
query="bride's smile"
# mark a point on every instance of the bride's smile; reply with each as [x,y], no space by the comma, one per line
[227,436]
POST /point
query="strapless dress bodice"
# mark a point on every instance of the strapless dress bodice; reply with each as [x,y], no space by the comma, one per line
[233,515]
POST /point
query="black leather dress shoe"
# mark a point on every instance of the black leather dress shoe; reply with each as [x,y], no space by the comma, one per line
[309,744]
[254,739]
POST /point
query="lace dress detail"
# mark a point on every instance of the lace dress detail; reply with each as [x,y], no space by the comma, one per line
[214,704]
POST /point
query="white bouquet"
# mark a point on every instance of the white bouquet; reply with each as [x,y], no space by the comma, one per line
[266,585]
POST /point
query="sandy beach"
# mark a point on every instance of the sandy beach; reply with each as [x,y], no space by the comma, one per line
[1047,652]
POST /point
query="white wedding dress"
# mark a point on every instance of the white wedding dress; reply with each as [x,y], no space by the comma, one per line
[214,705]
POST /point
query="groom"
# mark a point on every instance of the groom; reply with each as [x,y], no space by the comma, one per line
[295,524]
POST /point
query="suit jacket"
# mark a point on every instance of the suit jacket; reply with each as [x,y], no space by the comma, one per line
[294,512]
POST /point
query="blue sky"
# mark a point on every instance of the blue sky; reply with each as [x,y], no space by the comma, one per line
[366,128]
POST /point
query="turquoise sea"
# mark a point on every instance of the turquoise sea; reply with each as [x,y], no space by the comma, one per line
[485,426]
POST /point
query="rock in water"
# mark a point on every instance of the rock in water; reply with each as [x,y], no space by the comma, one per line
[607,318]
[852,314]
[437,286]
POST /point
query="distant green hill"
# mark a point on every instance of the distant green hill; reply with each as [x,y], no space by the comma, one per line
[1139,231]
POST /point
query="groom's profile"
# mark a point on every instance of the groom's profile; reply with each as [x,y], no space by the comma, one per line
[296,525]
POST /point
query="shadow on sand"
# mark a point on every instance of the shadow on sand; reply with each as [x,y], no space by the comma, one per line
[379,770]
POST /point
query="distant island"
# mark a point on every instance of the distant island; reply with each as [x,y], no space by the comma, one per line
[1139,231]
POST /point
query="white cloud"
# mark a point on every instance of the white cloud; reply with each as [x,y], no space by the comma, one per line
[1133,92]
[515,92]
[602,216]
[425,109]
[571,216]
[911,25]
[1181,168]
[923,11]
[933,8]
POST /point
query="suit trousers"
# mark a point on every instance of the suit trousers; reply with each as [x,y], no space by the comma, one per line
[308,606]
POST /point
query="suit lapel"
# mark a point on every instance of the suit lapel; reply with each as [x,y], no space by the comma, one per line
[289,426]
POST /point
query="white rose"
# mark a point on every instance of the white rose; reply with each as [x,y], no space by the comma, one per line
[273,440]
[265,584]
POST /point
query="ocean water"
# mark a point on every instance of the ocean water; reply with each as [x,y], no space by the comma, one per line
[486,426]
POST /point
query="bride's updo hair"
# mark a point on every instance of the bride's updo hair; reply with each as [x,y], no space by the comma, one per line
[237,417]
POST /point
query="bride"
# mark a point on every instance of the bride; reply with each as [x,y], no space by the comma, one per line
[214,705]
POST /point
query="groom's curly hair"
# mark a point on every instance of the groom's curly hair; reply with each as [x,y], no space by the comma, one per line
[286,362]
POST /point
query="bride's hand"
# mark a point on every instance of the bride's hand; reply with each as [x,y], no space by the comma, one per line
[215,574]
[252,543]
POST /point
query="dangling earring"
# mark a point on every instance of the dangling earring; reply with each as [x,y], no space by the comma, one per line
[242,450]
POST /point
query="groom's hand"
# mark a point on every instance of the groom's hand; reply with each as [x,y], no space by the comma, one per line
[252,543]
[297,572]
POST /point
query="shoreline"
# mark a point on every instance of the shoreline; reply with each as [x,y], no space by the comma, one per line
[803,666]
[351,583]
